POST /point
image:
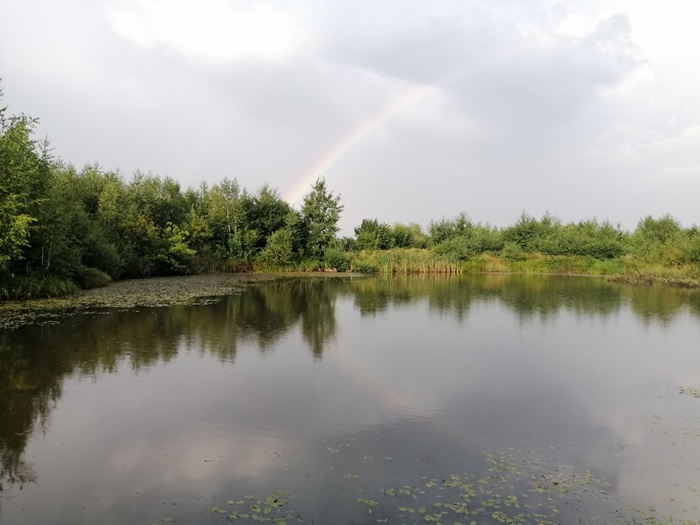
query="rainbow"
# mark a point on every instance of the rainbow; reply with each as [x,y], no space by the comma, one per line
[294,196]
[319,169]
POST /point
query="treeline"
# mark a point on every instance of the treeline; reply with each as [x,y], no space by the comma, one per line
[662,241]
[63,228]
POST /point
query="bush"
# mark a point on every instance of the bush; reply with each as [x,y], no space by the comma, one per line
[337,260]
[235,265]
[457,248]
[512,252]
[364,267]
[91,278]
[103,255]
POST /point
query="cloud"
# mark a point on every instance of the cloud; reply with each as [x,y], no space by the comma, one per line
[530,95]
[215,31]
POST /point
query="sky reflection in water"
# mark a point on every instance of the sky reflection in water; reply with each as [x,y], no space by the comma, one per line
[334,389]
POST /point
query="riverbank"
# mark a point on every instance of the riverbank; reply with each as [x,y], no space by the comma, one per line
[151,292]
[200,289]
[627,269]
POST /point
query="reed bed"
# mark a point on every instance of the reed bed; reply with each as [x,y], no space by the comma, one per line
[405,260]
[626,269]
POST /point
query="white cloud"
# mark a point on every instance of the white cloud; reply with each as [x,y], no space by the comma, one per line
[212,31]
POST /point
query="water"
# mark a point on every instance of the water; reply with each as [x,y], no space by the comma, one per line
[359,395]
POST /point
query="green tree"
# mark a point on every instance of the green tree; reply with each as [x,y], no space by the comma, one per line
[24,177]
[279,250]
[264,213]
[409,236]
[373,235]
[320,212]
[445,229]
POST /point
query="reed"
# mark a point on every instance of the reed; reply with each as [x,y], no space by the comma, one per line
[629,269]
[637,271]
[405,260]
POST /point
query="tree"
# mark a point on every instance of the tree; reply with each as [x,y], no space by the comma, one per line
[279,248]
[320,212]
[264,213]
[371,235]
[409,236]
[444,229]
[25,172]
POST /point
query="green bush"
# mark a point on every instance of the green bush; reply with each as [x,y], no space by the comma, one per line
[364,267]
[457,248]
[337,259]
[91,278]
[513,252]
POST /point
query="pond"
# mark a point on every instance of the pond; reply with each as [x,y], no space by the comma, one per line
[433,399]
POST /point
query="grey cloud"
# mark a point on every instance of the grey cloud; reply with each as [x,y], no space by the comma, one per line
[402,40]
[517,113]
[553,83]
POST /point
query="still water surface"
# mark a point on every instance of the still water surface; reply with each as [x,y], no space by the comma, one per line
[362,398]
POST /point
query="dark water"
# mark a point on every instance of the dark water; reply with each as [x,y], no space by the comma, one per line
[401,393]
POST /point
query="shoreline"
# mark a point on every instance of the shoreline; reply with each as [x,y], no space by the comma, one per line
[153,292]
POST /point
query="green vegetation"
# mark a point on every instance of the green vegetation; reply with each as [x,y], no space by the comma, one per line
[62,229]
[514,487]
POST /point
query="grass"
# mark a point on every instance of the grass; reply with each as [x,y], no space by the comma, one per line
[626,269]
[36,285]
[405,260]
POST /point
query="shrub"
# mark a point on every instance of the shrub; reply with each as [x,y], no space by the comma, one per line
[457,248]
[235,265]
[91,278]
[364,267]
[512,252]
[337,259]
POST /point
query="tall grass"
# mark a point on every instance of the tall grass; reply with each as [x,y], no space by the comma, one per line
[637,271]
[627,268]
[36,285]
[405,260]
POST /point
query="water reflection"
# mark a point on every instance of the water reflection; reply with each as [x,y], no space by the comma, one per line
[527,295]
[35,361]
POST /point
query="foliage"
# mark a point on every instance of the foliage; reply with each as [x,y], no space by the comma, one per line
[373,235]
[22,172]
[337,259]
[320,214]
[279,248]
[445,229]
[91,278]
[360,266]
[36,285]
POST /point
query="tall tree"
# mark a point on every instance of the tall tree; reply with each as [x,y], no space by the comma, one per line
[25,172]
[320,212]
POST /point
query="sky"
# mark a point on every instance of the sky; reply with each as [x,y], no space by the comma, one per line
[411,110]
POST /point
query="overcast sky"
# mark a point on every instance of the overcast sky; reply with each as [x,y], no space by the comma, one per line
[411,110]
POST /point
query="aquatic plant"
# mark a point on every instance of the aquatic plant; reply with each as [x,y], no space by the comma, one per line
[515,487]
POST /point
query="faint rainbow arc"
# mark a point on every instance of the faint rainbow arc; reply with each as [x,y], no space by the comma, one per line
[353,138]
[386,112]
